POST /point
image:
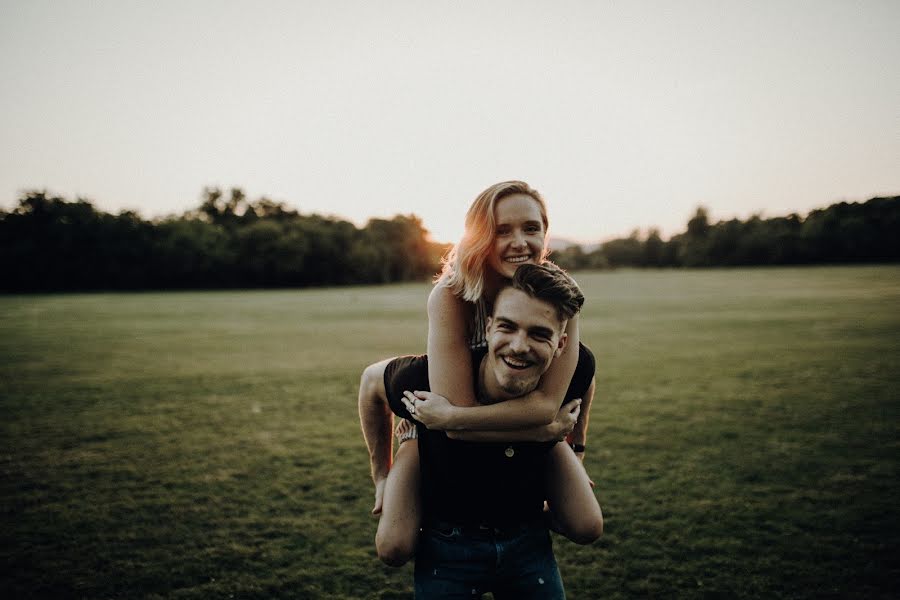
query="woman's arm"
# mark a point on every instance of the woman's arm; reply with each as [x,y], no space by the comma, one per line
[532,410]
[449,357]
[562,426]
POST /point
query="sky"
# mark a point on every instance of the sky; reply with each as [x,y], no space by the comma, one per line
[624,115]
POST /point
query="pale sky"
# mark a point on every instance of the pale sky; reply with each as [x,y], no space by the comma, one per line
[623,114]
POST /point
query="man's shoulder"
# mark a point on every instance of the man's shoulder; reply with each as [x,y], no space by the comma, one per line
[411,372]
[405,370]
[402,374]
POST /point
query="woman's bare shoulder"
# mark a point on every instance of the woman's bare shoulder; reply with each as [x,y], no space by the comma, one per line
[441,295]
[443,302]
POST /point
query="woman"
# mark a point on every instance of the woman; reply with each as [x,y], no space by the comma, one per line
[506,227]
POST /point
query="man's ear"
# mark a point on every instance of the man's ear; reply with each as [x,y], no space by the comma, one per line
[487,326]
[561,344]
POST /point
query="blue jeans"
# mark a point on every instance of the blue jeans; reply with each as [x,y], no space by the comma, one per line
[466,562]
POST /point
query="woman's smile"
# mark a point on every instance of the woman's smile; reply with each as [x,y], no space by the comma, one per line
[518,259]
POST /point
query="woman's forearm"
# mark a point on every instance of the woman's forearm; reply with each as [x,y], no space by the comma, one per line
[534,410]
[562,425]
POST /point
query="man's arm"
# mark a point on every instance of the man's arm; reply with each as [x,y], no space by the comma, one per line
[578,436]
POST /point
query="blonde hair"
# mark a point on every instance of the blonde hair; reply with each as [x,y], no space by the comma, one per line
[464,265]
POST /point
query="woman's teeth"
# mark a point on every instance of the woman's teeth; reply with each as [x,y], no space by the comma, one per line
[517,259]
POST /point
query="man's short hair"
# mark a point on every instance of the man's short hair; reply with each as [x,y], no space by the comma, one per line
[551,284]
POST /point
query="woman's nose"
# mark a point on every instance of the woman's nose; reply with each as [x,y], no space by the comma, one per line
[518,240]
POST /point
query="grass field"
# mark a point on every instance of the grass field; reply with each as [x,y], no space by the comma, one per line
[744,439]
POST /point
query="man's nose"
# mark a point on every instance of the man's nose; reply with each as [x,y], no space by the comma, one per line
[519,343]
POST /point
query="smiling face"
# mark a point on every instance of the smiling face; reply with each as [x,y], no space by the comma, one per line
[524,335]
[519,234]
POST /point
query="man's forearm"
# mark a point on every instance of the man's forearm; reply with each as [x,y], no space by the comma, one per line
[579,433]
[578,437]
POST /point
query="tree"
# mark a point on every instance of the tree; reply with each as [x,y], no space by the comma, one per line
[694,246]
[654,248]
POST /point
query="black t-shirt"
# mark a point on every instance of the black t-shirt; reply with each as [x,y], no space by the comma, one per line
[477,483]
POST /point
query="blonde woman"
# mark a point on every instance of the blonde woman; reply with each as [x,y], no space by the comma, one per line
[505,227]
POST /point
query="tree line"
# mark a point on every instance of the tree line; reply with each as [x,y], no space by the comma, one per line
[866,232]
[50,244]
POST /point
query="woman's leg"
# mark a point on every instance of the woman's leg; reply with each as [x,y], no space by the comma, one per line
[397,500]
[574,509]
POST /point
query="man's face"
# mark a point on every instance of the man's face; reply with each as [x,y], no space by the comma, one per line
[524,336]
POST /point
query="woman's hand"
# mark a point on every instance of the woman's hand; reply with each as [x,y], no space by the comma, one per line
[432,410]
[565,420]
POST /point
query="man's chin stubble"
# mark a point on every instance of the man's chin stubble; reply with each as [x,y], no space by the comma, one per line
[519,388]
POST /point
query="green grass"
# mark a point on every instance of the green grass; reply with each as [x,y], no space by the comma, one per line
[744,439]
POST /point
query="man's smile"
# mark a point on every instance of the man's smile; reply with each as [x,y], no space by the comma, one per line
[516,363]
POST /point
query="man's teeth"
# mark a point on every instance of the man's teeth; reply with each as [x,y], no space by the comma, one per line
[516,363]
[518,259]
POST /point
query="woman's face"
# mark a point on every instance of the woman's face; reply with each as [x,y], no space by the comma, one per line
[519,237]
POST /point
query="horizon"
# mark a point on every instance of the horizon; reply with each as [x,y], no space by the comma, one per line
[556,242]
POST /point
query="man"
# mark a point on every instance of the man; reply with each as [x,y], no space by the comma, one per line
[483,523]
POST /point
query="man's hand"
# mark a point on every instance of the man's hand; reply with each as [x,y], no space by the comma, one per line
[379,495]
[432,410]
[565,420]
